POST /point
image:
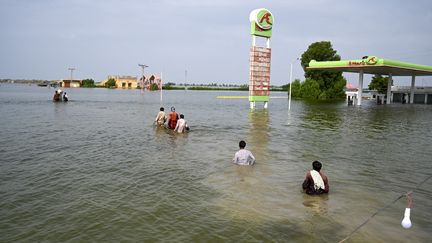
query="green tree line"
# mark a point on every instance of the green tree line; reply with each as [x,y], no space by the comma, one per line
[88,83]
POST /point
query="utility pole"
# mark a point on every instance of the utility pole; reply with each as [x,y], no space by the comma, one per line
[142,66]
[289,97]
[185,82]
[291,70]
[71,70]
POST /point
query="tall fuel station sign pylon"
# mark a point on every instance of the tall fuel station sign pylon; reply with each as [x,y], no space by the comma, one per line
[261,24]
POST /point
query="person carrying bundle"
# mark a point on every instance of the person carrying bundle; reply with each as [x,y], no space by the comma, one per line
[315,182]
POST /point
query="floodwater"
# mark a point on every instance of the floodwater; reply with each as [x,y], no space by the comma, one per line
[95,169]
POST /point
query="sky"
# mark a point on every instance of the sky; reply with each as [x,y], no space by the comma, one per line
[41,39]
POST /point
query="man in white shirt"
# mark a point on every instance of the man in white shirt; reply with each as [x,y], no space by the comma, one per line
[182,125]
[161,117]
[243,156]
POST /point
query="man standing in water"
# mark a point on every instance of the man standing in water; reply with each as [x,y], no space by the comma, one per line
[243,156]
[161,117]
[172,118]
[182,125]
[315,182]
[65,97]
[56,97]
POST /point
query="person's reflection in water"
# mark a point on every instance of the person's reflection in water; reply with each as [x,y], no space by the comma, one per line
[316,218]
[245,174]
[162,136]
[160,131]
[318,205]
[168,138]
[258,136]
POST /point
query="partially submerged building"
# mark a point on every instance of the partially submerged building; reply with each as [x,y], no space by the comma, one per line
[402,94]
[146,82]
[374,65]
[67,83]
[123,82]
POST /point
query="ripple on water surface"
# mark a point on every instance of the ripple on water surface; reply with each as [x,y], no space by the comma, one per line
[95,169]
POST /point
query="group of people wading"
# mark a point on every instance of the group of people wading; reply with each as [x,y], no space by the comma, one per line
[59,95]
[315,183]
[174,121]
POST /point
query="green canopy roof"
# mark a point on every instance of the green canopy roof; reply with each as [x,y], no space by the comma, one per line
[373,65]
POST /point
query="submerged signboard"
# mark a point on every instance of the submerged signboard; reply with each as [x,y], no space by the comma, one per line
[259,74]
[261,24]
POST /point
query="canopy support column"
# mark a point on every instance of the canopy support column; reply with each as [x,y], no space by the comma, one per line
[360,88]
[412,90]
[390,81]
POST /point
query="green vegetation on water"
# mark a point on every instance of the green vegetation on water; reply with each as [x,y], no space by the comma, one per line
[88,83]
[111,83]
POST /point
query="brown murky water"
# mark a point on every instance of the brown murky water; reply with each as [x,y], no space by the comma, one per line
[95,169]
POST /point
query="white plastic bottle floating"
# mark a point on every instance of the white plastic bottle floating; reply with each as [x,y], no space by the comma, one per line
[406,221]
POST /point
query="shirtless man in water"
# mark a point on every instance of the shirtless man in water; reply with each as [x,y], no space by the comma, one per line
[182,125]
[315,182]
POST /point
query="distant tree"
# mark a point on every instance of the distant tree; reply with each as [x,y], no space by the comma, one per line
[310,89]
[88,83]
[330,84]
[296,89]
[111,83]
[244,87]
[379,83]
[154,86]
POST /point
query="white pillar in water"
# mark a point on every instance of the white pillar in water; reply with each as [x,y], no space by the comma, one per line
[265,104]
[360,88]
[389,89]
[412,90]
[268,43]
[252,103]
